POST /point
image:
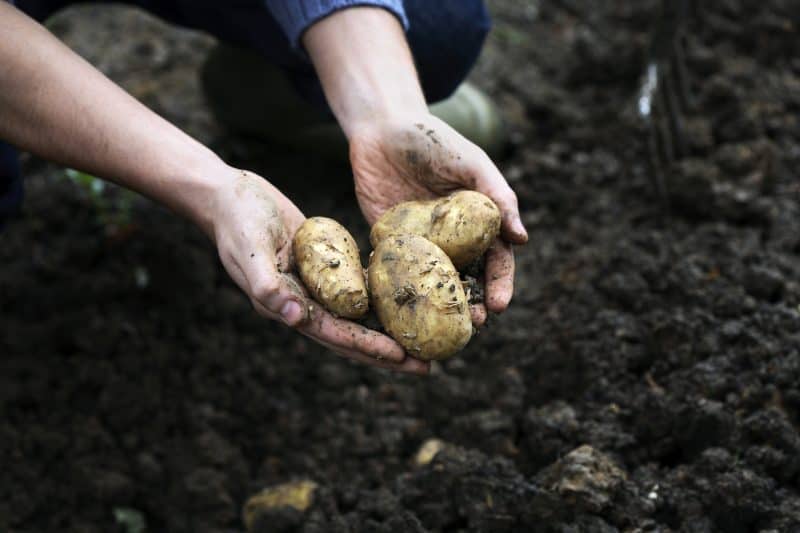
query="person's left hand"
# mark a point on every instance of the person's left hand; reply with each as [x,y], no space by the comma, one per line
[421,157]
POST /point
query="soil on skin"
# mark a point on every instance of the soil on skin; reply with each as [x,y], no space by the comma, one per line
[645,378]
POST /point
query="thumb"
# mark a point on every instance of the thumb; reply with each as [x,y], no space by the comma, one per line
[274,294]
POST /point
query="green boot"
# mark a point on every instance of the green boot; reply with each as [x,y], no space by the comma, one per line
[472,113]
[254,98]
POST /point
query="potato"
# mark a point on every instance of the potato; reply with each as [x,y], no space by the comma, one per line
[418,297]
[463,224]
[329,265]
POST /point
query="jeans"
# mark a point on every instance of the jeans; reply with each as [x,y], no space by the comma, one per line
[445,37]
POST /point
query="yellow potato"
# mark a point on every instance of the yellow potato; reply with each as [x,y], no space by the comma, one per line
[463,224]
[329,265]
[298,495]
[418,297]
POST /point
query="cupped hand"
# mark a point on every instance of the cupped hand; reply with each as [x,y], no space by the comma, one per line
[253,228]
[421,157]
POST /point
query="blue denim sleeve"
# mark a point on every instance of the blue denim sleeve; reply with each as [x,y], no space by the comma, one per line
[295,16]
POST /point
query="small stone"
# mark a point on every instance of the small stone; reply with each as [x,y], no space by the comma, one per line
[585,477]
[298,495]
[428,451]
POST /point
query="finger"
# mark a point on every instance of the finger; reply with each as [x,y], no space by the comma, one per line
[499,276]
[408,366]
[347,335]
[492,183]
[478,314]
[273,290]
[343,336]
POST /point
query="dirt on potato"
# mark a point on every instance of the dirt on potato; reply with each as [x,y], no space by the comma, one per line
[645,378]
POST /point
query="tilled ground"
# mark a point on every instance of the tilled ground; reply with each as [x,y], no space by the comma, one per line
[646,378]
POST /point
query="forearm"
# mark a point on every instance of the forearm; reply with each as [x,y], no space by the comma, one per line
[368,75]
[56,105]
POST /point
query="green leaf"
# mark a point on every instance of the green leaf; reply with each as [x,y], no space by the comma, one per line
[131,519]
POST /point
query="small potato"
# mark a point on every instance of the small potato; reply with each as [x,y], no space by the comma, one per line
[418,297]
[463,224]
[329,265]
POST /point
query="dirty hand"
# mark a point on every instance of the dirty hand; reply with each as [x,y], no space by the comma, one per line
[421,157]
[253,225]
[398,150]
[119,138]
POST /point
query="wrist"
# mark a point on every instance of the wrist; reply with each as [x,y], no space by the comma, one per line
[381,120]
[370,76]
[194,187]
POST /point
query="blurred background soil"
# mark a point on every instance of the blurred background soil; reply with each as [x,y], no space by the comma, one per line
[645,378]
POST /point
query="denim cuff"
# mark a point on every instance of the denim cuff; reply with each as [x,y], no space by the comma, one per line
[296,16]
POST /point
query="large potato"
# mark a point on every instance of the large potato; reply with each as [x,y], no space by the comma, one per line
[328,262]
[418,297]
[463,224]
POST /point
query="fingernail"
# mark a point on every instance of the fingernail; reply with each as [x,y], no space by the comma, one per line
[292,313]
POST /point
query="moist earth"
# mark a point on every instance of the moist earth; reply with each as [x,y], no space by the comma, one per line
[645,378]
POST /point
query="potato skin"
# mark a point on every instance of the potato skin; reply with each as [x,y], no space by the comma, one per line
[463,224]
[330,267]
[418,297]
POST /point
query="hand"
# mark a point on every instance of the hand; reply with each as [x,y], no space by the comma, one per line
[44,84]
[253,225]
[398,150]
[420,157]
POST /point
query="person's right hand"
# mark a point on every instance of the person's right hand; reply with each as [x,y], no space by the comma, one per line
[253,225]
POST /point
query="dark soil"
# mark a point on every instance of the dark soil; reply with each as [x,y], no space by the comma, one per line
[646,377]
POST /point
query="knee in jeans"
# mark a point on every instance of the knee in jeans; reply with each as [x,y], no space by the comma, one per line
[446,38]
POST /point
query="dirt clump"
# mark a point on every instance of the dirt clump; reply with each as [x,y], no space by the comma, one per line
[645,378]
